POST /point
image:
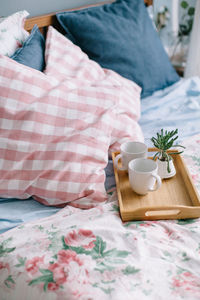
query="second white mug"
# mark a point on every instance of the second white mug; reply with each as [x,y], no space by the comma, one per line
[129,151]
[143,176]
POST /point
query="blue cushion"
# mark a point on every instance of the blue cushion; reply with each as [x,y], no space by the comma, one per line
[31,53]
[120,36]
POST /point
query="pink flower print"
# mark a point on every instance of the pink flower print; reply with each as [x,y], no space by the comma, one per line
[148,223]
[187,274]
[60,273]
[32,265]
[66,256]
[4,266]
[186,282]
[195,177]
[176,282]
[52,286]
[145,225]
[83,237]
[169,232]
[5,275]
[60,269]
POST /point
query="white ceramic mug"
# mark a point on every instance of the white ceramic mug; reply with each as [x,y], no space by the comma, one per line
[143,176]
[128,151]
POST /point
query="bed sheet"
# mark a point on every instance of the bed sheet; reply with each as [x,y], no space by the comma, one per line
[77,254]
[14,212]
[177,106]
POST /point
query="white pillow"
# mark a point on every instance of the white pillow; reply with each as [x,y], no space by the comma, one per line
[12,32]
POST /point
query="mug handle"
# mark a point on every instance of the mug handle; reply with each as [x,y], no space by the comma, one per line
[116,162]
[158,183]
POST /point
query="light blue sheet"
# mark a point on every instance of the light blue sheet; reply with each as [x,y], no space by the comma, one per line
[14,212]
[175,107]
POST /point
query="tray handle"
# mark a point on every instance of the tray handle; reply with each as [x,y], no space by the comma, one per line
[163,213]
[167,212]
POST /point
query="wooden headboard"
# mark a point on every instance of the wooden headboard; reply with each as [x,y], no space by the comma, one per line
[46,20]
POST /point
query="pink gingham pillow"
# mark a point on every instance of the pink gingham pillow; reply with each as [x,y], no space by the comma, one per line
[66,60]
[54,137]
[12,32]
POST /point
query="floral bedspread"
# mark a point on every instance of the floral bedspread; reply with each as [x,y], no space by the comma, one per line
[91,255]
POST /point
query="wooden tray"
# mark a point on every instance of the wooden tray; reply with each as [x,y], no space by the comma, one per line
[176,199]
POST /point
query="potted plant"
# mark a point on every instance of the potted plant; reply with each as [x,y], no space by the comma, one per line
[185,27]
[175,38]
[163,142]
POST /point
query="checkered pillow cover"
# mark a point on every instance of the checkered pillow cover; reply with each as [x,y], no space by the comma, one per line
[66,60]
[54,136]
[56,128]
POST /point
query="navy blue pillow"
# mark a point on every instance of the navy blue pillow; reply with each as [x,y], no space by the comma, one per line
[120,36]
[31,53]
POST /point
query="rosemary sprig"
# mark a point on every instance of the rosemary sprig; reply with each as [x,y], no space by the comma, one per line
[163,142]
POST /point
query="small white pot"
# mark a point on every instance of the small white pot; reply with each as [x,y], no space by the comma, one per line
[162,169]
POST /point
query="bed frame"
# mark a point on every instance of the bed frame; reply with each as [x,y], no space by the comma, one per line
[46,20]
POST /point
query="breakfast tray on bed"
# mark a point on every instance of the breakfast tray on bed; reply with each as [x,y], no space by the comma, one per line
[176,199]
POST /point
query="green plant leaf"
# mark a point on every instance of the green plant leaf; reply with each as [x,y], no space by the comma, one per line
[168,167]
[108,282]
[116,253]
[179,146]
[78,250]
[99,248]
[115,208]
[130,270]
[157,154]
[164,141]
[9,281]
[184,4]
[3,250]
[44,278]
[45,271]
[45,286]
[107,291]
[104,268]
[172,153]
[191,11]
[186,221]
[21,262]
